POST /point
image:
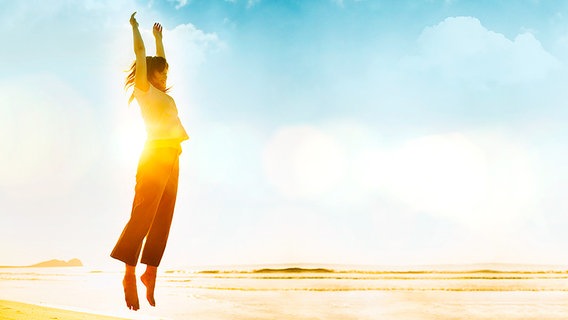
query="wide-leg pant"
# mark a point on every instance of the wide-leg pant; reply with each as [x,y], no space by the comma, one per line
[152,208]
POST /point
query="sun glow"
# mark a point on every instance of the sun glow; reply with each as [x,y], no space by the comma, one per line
[131,135]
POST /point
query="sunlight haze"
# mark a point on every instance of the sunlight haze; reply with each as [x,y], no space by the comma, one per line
[328,132]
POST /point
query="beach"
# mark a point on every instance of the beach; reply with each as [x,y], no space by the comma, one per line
[290,294]
[10,310]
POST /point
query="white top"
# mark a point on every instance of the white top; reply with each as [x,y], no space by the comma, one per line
[160,115]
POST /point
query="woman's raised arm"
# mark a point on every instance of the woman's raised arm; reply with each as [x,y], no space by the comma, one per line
[157,30]
[140,79]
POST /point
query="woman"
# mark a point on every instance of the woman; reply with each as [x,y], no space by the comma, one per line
[158,168]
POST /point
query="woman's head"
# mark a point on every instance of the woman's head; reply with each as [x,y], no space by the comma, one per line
[156,73]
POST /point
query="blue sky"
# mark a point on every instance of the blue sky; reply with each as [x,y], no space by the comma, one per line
[356,132]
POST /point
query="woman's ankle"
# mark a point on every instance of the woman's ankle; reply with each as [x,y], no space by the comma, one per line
[130,270]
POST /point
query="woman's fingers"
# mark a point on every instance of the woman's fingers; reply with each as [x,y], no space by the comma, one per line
[157,29]
[133,20]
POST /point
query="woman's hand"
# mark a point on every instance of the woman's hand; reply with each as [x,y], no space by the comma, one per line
[157,30]
[133,21]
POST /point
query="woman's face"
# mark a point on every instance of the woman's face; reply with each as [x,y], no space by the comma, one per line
[159,79]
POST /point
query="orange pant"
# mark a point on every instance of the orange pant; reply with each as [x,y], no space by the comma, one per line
[152,208]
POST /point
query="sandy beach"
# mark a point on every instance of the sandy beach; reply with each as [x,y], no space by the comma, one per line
[11,310]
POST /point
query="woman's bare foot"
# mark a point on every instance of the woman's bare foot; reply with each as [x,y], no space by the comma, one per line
[130,290]
[149,280]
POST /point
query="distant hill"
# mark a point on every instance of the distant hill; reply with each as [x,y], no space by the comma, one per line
[51,263]
[58,263]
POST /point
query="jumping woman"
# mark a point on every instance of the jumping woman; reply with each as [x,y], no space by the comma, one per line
[158,169]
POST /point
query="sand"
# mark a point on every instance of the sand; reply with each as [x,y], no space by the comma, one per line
[10,310]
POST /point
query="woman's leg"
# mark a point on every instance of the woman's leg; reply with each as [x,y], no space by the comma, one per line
[149,280]
[160,228]
[158,235]
[152,178]
[130,290]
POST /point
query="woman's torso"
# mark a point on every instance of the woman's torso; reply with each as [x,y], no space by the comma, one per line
[159,111]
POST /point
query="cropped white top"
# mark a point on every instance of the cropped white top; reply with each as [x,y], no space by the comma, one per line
[160,115]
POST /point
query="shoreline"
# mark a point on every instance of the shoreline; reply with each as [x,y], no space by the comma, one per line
[13,310]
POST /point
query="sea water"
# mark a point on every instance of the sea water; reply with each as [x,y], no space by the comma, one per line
[328,292]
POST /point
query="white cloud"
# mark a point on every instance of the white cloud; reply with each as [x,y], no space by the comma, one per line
[303,162]
[461,48]
[479,181]
[187,48]
[179,3]
[252,3]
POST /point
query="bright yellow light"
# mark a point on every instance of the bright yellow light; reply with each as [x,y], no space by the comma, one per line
[130,135]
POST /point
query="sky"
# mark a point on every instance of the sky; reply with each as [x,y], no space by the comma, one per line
[366,132]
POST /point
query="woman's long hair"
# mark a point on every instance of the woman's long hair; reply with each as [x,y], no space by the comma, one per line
[152,64]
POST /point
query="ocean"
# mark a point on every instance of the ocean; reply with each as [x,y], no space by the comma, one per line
[306,292]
